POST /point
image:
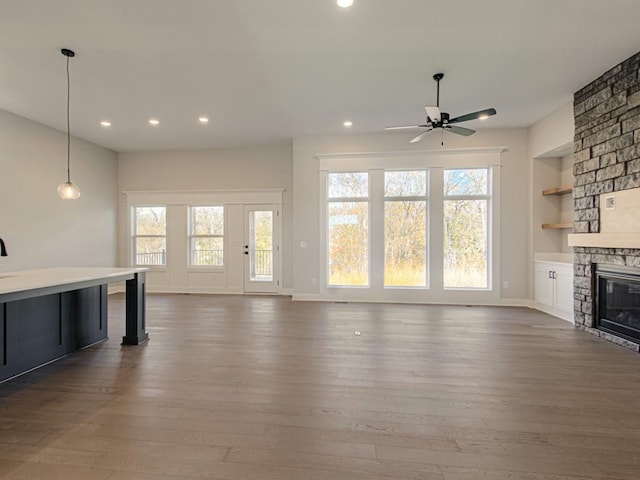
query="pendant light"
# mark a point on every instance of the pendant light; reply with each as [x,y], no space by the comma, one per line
[68,190]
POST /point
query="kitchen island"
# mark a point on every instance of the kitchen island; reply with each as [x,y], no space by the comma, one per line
[48,313]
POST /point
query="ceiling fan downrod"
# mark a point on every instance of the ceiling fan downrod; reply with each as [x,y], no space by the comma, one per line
[437,77]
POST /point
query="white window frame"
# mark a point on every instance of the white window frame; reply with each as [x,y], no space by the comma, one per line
[135,236]
[412,198]
[489,198]
[435,161]
[366,200]
[192,236]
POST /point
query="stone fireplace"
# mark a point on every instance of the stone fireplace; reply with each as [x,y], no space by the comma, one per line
[606,171]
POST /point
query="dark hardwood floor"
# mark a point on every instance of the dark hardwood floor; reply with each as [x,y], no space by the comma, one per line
[233,387]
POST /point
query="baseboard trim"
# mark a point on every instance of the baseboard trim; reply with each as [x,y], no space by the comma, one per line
[313,297]
[507,302]
[207,291]
[193,291]
[568,317]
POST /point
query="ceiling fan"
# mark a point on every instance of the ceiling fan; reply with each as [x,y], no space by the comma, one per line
[438,119]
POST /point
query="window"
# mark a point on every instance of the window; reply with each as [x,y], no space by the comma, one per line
[149,235]
[405,229]
[466,209]
[414,228]
[348,229]
[206,236]
[261,245]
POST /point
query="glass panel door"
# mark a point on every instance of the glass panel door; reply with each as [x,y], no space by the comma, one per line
[261,249]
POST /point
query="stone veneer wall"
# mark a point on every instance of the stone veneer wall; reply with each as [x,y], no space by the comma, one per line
[606,159]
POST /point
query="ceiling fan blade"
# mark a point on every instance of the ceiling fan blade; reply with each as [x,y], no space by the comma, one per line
[433,113]
[421,136]
[406,127]
[482,114]
[461,130]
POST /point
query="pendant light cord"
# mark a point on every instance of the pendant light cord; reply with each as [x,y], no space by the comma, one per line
[68,125]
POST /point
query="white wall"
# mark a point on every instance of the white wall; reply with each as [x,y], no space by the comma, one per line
[551,165]
[252,168]
[514,187]
[552,132]
[40,229]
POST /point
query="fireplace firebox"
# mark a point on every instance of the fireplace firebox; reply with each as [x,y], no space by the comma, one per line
[617,300]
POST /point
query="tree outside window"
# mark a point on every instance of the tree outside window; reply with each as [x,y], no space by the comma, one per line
[348,217]
[149,235]
[206,238]
[466,241]
[405,229]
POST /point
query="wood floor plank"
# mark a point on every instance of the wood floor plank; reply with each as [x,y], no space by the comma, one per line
[359,466]
[16,470]
[199,464]
[258,387]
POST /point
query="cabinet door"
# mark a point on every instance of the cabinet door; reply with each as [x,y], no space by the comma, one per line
[564,289]
[543,285]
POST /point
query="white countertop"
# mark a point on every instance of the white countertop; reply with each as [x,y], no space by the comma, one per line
[21,280]
[553,257]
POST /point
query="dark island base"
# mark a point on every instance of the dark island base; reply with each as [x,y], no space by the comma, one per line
[39,329]
[35,331]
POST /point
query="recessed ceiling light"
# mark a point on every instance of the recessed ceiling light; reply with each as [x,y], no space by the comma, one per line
[105,123]
[483,117]
[203,120]
[344,3]
[348,124]
[154,122]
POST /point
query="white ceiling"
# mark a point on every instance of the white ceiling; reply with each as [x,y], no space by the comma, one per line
[267,71]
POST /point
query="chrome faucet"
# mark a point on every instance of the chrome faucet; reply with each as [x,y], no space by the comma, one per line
[3,249]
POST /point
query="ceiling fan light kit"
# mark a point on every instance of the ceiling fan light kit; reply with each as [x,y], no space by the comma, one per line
[438,119]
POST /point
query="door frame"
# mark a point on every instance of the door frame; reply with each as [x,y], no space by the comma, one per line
[275,286]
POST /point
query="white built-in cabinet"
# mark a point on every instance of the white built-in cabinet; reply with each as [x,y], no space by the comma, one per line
[552,219]
[553,288]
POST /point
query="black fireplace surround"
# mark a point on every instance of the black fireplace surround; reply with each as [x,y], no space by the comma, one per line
[617,300]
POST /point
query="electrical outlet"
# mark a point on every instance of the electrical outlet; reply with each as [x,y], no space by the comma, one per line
[610,202]
[505,284]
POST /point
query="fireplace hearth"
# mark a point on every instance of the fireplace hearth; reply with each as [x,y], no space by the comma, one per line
[617,300]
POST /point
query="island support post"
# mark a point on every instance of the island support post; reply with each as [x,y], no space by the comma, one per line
[136,324]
